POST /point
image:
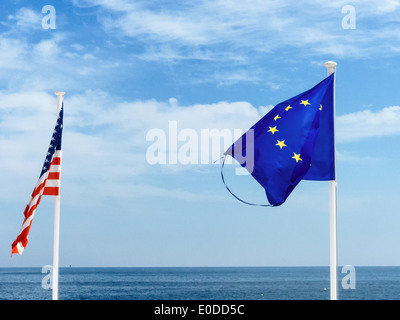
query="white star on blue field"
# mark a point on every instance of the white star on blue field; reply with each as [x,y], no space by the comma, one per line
[129,67]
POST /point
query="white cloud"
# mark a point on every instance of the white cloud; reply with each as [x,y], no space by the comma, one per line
[202,23]
[387,6]
[26,18]
[233,77]
[258,26]
[12,53]
[350,157]
[35,59]
[366,124]
[47,64]
[104,139]
[117,5]
[47,49]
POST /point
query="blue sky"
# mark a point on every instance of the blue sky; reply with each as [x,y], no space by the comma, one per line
[129,67]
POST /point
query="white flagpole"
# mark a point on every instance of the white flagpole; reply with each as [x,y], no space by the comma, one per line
[331,66]
[56,244]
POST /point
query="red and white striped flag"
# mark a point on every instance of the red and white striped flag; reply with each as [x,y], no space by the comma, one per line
[48,184]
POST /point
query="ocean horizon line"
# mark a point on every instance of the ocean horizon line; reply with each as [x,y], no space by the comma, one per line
[205,266]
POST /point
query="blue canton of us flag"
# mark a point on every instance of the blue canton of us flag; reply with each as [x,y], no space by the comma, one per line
[55,142]
[294,141]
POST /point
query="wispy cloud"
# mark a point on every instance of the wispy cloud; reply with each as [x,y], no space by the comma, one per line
[98,125]
[34,59]
[25,19]
[234,38]
[366,124]
[105,139]
[258,26]
[351,157]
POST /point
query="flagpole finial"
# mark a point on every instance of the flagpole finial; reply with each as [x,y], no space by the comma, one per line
[331,66]
[60,98]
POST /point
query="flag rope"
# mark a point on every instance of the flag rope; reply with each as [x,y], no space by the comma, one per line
[223,180]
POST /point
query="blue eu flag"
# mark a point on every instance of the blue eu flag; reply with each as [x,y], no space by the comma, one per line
[293,142]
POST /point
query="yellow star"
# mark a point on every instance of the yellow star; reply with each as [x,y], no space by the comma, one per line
[281,144]
[297,157]
[277,117]
[305,102]
[272,129]
[320,107]
[288,108]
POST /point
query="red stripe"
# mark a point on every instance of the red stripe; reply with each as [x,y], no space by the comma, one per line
[54,176]
[23,236]
[38,189]
[29,211]
[56,161]
[32,208]
[14,249]
[51,191]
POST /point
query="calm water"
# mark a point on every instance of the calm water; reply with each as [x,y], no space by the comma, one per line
[244,283]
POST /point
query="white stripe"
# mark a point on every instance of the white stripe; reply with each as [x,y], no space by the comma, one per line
[52,183]
[33,201]
[27,222]
[41,179]
[55,168]
[20,247]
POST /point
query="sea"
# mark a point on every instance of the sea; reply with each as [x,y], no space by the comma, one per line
[201,283]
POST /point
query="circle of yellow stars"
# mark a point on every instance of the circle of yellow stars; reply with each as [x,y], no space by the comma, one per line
[281,143]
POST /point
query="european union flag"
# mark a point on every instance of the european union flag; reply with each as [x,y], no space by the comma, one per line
[293,142]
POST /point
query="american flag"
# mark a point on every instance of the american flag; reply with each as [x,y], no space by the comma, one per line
[48,184]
